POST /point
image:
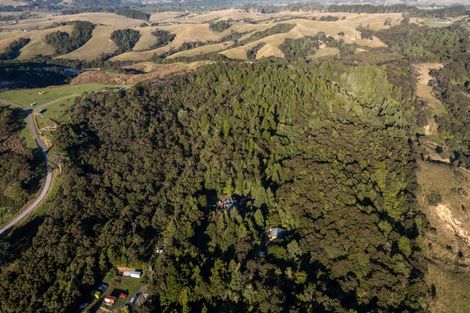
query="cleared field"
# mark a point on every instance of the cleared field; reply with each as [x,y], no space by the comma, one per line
[201,50]
[109,19]
[36,46]
[49,95]
[425,92]
[160,17]
[183,32]
[305,27]
[151,71]
[146,40]
[326,52]
[99,43]
[194,27]
[269,51]
[450,234]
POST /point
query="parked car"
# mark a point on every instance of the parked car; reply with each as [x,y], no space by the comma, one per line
[134,298]
[102,287]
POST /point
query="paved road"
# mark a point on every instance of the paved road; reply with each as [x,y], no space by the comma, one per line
[45,187]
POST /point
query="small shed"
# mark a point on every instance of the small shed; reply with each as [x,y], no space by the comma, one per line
[122,295]
[276,233]
[136,274]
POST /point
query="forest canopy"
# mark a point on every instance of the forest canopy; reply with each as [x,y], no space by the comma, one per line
[320,151]
[18,170]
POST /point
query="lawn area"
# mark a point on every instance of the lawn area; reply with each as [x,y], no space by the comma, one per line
[48,95]
[130,286]
[56,100]
[120,284]
[452,290]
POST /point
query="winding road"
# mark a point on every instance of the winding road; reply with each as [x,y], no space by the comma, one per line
[47,184]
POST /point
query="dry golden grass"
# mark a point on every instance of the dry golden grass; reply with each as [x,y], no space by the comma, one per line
[7,38]
[453,289]
[306,27]
[147,40]
[325,52]
[234,14]
[201,50]
[152,71]
[109,19]
[451,224]
[425,92]
[183,32]
[99,43]
[451,221]
[160,17]
[238,52]
[269,50]
[194,27]
[38,44]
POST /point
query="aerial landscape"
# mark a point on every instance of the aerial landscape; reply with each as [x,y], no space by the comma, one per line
[234,156]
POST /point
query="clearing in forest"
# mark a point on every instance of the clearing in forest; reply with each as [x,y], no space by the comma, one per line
[425,92]
[444,196]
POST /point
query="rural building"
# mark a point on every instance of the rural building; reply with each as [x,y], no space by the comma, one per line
[133,274]
[276,233]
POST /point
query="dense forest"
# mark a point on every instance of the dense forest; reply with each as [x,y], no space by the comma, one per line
[421,42]
[305,46]
[64,43]
[321,151]
[452,85]
[19,171]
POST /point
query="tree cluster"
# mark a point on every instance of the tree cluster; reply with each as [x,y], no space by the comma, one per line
[64,42]
[305,46]
[18,170]
[422,42]
[452,86]
[276,29]
[220,26]
[125,39]
[14,49]
[163,38]
[132,13]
